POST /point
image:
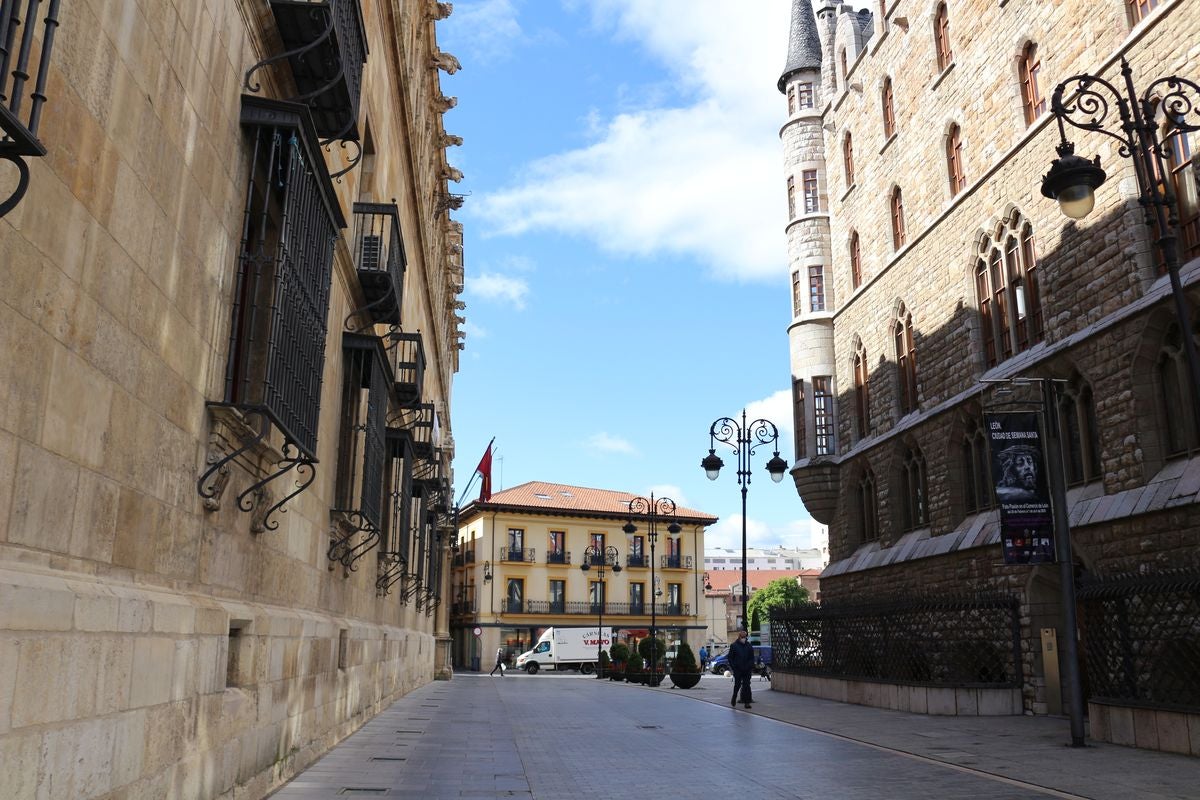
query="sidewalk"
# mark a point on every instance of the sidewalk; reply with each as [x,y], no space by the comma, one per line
[1030,750]
[553,736]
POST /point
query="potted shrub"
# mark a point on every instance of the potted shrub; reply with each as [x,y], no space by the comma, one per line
[603,667]
[633,669]
[619,653]
[685,672]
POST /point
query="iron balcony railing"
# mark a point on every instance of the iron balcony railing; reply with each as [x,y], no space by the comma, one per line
[675,562]
[558,557]
[514,607]
[586,608]
[461,607]
[639,560]
[1141,639]
[408,365]
[419,419]
[526,554]
[18,132]
[676,609]
[598,560]
[960,641]
[464,558]
[379,259]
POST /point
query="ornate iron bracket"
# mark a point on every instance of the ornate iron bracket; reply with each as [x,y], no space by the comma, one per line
[255,499]
[22,182]
[352,163]
[391,570]
[266,62]
[341,550]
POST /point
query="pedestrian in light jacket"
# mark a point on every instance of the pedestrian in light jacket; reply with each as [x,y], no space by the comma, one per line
[499,662]
[741,664]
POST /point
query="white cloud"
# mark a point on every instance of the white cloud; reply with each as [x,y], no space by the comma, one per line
[777,409]
[668,490]
[494,286]
[607,443]
[474,331]
[728,533]
[701,179]
[488,29]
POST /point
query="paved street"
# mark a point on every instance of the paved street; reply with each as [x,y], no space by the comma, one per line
[565,736]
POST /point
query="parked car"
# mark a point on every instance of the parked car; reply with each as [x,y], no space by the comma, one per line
[762,661]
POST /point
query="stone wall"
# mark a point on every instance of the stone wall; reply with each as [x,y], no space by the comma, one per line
[152,646]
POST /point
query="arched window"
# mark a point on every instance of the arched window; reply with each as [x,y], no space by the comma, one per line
[1140,9]
[855,261]
[976,468]
[862,392]
[1078,432]
[954,161]
[941,38]
[889,110]
[897,213]
[845,69]
[1032,99]
[865,506]
[906,362]
[848,158]
[916,490]
[1006,288]
[1176,404]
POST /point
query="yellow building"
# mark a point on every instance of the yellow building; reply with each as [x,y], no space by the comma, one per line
[517,569]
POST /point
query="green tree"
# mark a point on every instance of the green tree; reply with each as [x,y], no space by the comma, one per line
[776,594]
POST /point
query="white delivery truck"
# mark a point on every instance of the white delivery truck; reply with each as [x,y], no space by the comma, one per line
[566,648]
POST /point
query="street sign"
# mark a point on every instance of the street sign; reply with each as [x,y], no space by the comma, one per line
[478,631]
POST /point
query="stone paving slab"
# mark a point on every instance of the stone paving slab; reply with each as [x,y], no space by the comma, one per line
[565,736]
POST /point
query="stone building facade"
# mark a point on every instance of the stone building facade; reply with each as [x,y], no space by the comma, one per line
[926,263]
[228,335]
[517,569]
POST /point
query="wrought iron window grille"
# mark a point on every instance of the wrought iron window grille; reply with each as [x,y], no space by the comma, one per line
[277,332]
[420,420]
[20,135]
[395,548]
[379,259]
[325,46]
[361,450]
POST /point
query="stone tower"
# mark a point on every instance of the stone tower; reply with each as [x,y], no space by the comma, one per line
[810,333]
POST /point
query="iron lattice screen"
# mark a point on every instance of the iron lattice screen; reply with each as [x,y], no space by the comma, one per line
[952,641]
[1141,639]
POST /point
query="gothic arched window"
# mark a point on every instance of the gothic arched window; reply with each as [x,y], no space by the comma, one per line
[865,507]
[1007,290]
[1078,432]
[916,489]
[941,38]
[862,392]
[906,362]
[976,469]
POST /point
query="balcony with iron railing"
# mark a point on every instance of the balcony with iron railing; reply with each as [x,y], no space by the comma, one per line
[464,607]
[380,262]
[464,559]
[675,562]
[407,353]
[524,554]
[561,557]
[640,560]
[586,608]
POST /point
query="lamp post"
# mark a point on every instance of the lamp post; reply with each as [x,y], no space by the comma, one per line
[600,557]
[744,439]
[1073,180]
[652,509]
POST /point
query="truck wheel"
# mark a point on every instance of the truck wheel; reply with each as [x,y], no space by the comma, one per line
[587,669]
[532,668]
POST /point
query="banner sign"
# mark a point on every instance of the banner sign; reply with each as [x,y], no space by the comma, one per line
[1022,490]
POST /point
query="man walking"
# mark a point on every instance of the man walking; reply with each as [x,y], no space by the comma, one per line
[499,662]
[741,664]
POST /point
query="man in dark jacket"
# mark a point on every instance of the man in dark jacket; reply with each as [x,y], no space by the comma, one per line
[741,664]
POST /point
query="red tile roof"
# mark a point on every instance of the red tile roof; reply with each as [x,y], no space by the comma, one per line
[561,499]
[722,579]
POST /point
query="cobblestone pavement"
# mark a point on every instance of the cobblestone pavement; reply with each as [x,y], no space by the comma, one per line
[566,736]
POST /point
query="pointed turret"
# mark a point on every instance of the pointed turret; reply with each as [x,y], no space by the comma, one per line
[804,46]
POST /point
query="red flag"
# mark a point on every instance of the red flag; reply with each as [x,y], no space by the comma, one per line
[485,471]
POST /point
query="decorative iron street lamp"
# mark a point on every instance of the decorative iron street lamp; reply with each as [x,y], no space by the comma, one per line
[652,510]
[600,557]
[20,136]
[1073,180]
[744,439]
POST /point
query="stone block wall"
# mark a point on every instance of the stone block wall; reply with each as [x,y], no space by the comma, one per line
[151,646]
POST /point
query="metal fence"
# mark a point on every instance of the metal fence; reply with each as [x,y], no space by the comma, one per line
[949,641]
[1141,639]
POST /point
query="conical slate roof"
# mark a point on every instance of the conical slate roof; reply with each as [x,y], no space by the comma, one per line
[804,46]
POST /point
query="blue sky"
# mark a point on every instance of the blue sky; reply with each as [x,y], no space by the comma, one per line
[626,264]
